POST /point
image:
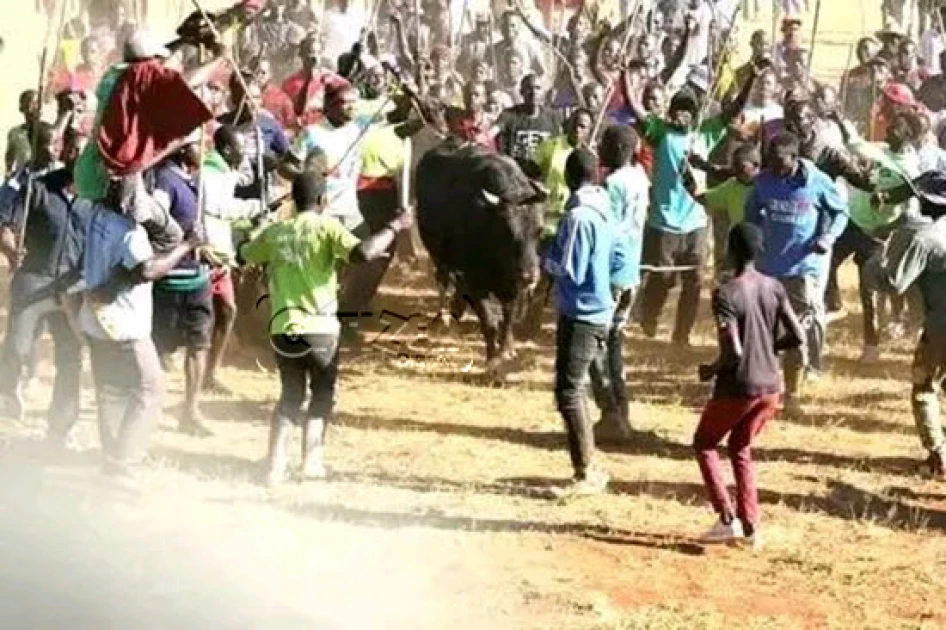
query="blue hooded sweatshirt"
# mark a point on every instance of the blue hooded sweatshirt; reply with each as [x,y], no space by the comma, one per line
[583,256]
[794,213]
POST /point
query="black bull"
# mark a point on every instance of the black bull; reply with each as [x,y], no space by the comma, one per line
[480,219]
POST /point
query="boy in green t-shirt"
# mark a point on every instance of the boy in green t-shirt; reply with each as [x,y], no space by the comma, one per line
[726,203]
[302,256]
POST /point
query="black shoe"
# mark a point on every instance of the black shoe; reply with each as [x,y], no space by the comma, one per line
[936,465]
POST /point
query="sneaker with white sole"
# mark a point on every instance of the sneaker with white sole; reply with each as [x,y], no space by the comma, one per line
[754,542]
[835,316]
[720,532]
[595,482]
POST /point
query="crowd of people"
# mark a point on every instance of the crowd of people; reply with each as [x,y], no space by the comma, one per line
[128,214]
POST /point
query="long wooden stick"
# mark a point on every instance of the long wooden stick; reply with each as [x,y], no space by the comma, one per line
[609,93]
[845,79]
[34,132]
[201,149]
[774,39]
[717,71]
[814,35]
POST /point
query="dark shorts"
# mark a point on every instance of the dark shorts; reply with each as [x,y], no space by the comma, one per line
[183,319]
[669,249]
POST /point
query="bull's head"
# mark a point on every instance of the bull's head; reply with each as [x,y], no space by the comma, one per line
[521,222]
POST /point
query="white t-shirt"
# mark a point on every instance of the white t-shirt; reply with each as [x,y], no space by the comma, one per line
[629,197]
[931,46]
[343,147]
[341,31]
[699,50]
[758,115]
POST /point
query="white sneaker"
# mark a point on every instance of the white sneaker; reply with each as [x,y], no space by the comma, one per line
[870,355]
[835,316]
[723,533]
[754,542]
[595,482]
[313,468]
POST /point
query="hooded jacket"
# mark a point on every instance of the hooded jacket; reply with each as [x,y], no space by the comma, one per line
[583,258]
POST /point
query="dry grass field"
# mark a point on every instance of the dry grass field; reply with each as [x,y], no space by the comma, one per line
[436,514]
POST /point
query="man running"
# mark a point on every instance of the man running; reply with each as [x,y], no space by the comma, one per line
[801,216]
[750,310]
[916,254]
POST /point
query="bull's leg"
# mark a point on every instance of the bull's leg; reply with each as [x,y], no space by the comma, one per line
[458,305]
[507,350]
[443,286]
[488,326]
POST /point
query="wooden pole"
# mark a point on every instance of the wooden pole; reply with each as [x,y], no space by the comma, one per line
[202,148]
[844,79]
[774,38]
[34,132]
[603,110]
[814,35]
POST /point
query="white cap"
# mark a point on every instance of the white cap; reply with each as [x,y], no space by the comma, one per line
[370,62]
[700,77]
[144,45]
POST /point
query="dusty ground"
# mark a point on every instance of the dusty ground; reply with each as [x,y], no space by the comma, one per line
[436,514]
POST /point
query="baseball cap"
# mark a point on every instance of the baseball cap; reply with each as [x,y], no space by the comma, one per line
[144,45]
[890,34]
[930,187]
[335,86]
[899,93]
[699,77]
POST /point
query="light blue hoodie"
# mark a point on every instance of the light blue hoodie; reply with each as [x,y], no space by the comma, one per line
[583,256]
[629,194]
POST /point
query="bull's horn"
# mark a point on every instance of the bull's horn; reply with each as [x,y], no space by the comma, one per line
[491,199]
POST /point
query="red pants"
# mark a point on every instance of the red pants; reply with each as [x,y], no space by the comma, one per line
[742,419]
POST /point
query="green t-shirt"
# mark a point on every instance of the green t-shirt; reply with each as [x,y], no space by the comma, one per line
[672,208]
[302,254]
[891,170]
[551,156]
[729,198]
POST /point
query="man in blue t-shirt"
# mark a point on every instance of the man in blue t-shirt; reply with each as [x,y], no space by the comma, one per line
[801,214]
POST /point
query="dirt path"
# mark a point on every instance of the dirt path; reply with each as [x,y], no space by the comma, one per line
[436,518]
